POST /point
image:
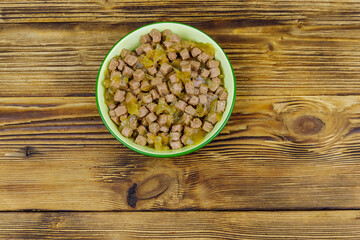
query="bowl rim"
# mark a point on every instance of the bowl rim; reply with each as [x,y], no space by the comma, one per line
[170,154]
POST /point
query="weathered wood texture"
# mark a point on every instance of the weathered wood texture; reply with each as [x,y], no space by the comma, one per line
[292,142]
[317,122]
[275,153]
[276,47]
[179,225]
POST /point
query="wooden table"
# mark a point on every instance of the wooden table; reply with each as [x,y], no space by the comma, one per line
[286,166]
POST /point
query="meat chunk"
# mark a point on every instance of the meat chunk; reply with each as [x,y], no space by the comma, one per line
[195,65]
[112,113]
[195,52]
[154,127]
[219,90]
[170,98]
[162,89]
[134,84]
[147,47]
[155,35]
[213,64]
[115,73]
[131,60]
[167,44]
[173,78]
[223,95]
[207,126]
[151,117]
[145,86]
[194,100]
[156,81]
[184,54]
[186,68]
[121,65]
[196,123]
[196,91]
[163,118]
[176,145]
[152,70]
[177,88]
[151,106]
[214,72]
[212,118]
[140,140]
[114,63]
[119,95]
[116,120]
[177,128]
[174,136]
[197,83]
[190,110]
[127,72]
[203,57]
[220,106]
[144,122]
[194,74]
[155,95]
[172,56]
[181,105]
[143,111]
[120,110]
[111,105]
[147,98]
[213,86]
[189,87]
[202,99]
[164,129]
[124,53]
[175,38]
[166,33]
[127,132]
[184,62]
[138,75]
[186,118]
[139,50]
[165,68]
[159,74]
[203,89]
[145,38]
[141,129]
[204,73]
[133,123]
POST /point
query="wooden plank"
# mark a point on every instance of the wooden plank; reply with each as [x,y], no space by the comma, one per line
[63,59]
[271,150]
[251,175]
[332,121]
[179,225]
[129,11]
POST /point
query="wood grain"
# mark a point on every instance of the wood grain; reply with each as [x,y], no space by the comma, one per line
[271,150]
[130,12]
[317,122]
[179,225]
[61,59]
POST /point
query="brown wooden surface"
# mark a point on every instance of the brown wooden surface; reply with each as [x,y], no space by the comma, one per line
[312,225]
[292,142]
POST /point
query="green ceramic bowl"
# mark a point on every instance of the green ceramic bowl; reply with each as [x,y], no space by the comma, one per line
[131,41]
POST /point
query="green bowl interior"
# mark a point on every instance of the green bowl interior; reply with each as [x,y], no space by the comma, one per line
[131,41]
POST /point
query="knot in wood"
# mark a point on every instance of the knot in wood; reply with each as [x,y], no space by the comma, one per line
[307,125]
[153,186]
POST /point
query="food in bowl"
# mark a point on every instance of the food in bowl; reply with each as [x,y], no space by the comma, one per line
[167,93]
